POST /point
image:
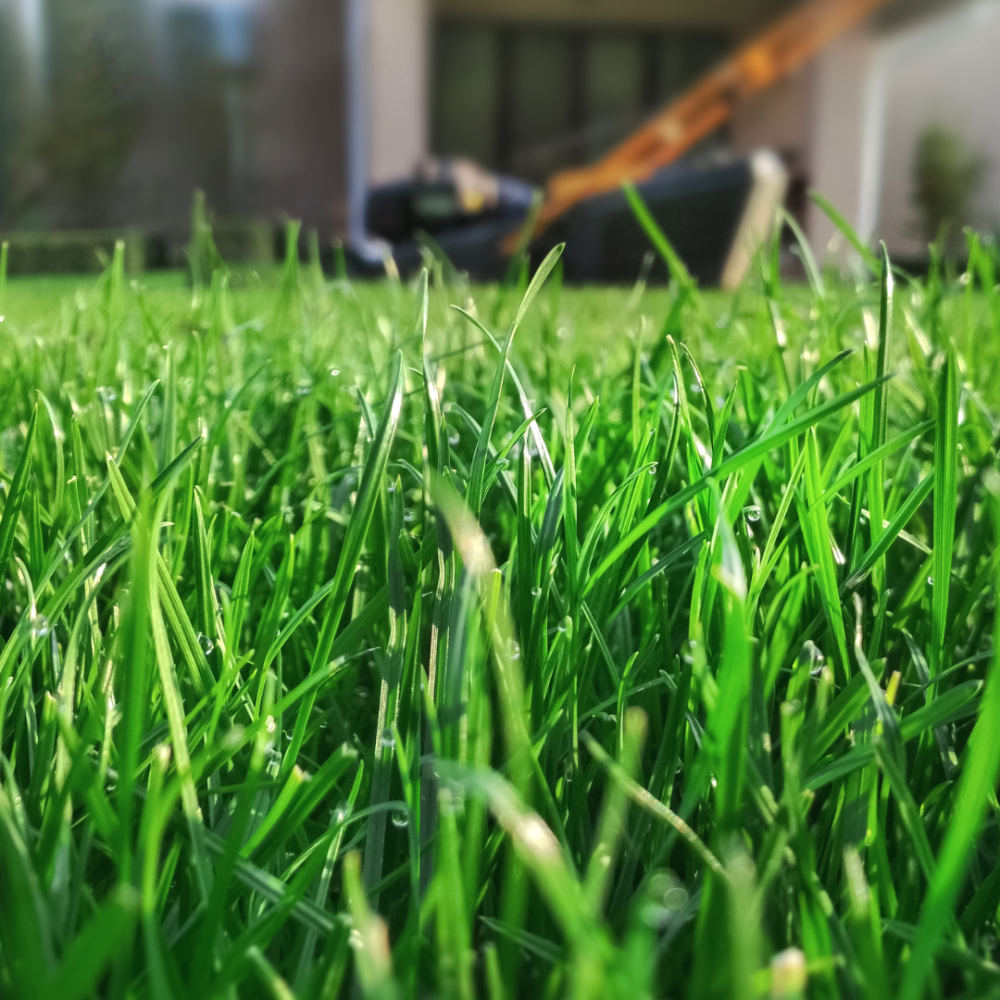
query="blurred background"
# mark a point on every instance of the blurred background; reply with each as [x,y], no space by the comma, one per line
[112,112]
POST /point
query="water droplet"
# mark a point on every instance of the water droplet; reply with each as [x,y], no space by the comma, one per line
[409,517]
[813,655]
[652,469]
[362,692]
[810,651]
[304,389]
[453,805]
[40,627]
[334,372]
[675,897]
[356,941]
[453,440]
[536,591]
[752,513]
[516,654]
[400,818]
[387,739]
[207,646]
[271,724]
[930,581]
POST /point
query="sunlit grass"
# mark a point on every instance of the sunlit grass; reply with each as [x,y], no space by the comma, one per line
[341,658]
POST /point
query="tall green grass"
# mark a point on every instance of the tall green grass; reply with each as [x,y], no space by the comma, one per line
[413,639]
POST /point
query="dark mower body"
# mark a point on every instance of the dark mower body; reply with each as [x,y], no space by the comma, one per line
[699,208]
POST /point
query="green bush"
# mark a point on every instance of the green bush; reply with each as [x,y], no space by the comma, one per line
[945,177]
[73,252]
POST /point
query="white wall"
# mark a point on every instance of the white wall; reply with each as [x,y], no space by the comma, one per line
[874,96]
[398,88]
[779,118]
[945,70]
[816,118]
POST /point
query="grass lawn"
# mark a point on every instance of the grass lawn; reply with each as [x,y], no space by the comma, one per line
[412,639]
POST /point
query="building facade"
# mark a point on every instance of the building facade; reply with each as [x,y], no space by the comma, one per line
[245,99]
[297,106]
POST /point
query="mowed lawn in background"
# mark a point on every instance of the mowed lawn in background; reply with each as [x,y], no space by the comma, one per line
[411,639]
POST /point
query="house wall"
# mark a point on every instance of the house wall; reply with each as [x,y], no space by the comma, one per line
[262,134]
[299,112]
[781,119]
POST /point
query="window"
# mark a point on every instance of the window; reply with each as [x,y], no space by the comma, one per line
[539,88]
[613,86]
[465,91]
[530,100]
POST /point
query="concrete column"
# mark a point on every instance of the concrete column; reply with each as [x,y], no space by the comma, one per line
[398,42]
[357,45]
[846,134]
[28,31]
